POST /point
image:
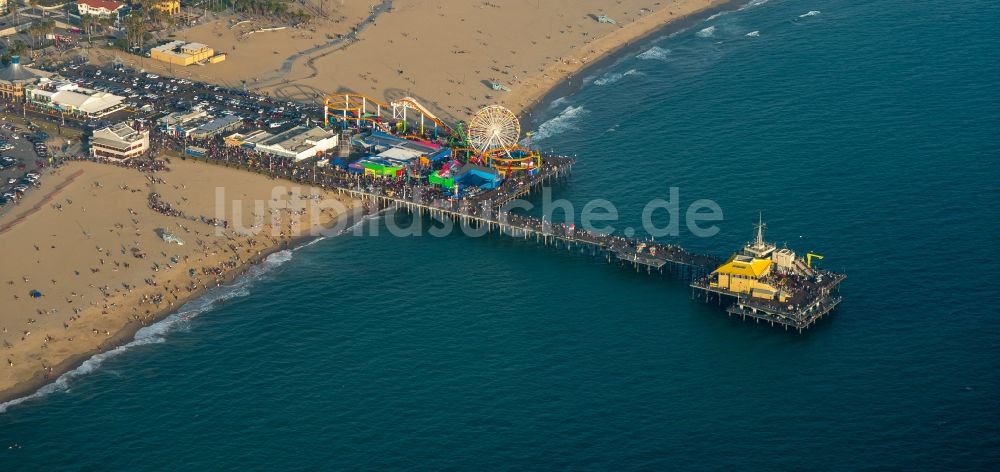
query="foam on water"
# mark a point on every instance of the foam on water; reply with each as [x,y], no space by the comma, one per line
[156,333]
[706,32]
[716,15]
[615,77]
[654,53]
[809,13]
[566,120]
[753,3]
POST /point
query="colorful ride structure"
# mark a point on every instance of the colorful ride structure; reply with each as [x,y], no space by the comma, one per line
[405,114]
[490,139]
[494,132]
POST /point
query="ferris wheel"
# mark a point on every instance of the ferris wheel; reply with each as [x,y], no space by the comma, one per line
[493,127]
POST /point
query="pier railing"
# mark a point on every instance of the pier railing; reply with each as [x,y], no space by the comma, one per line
[490,210]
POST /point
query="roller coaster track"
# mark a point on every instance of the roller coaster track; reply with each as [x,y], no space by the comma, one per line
[400,106]
[356,107]
[353,106]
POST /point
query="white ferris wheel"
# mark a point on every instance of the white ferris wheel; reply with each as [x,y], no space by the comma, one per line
[494,127]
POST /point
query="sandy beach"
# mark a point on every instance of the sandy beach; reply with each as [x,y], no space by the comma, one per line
[90,244]
[444,54]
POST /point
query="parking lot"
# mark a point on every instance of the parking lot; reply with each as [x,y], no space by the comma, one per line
[148,97]
[21,162]
[151,96]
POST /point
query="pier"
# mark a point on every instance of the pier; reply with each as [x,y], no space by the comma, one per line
[489,211]
[815,292]
[400,155]
[800,316]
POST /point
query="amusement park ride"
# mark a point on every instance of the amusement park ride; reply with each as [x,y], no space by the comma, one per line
[491,137]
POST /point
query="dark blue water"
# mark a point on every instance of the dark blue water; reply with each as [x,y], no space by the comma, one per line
[869,133]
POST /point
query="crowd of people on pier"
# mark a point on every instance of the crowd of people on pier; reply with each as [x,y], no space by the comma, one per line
[484,206]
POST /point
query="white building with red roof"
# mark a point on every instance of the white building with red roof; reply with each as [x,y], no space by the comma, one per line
[102,8]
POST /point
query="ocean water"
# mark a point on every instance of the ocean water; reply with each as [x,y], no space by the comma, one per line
[865,131]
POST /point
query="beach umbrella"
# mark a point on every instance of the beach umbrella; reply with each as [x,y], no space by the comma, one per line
[35,294]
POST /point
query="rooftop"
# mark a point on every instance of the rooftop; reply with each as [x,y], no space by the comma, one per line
[219,123]
[123,132]
[745,266]
[120,136]
[400,153]
[180,48]
[106,4]
[297,139]
[179,117]
[64,93]
[15,72]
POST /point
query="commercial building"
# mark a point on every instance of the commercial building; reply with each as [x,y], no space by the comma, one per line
[15,77]
[198,124]
[120,141]
[248,140]
[300,142]
[170,7]
[70,99]
[176,122]
[742,274]
[753,272]
[100,8]
[181,53]
[216,126]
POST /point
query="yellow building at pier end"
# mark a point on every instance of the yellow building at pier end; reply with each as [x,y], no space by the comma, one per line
[753,272]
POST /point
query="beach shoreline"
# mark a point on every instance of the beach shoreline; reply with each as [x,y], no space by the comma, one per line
[531,114]
[25,387]
[481,61]
[128,332]
[633,40]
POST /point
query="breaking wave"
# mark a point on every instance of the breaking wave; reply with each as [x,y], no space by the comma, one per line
[654,53]
[706,32]
[615,77]
[753,3]
[809,13]
[311,242]
[565,121]
[156,333]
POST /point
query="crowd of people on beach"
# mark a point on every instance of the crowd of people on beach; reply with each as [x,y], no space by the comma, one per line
[376,192]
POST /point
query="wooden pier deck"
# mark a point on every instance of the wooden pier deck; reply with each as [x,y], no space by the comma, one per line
[488,210]
[797,314]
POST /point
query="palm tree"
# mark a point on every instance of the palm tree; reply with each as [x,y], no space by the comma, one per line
[106,22]
[48,25]
[135,30]
[87,23]
[17,48]
[155,15]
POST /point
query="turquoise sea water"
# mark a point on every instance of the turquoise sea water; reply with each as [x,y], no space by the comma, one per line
[867,132]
